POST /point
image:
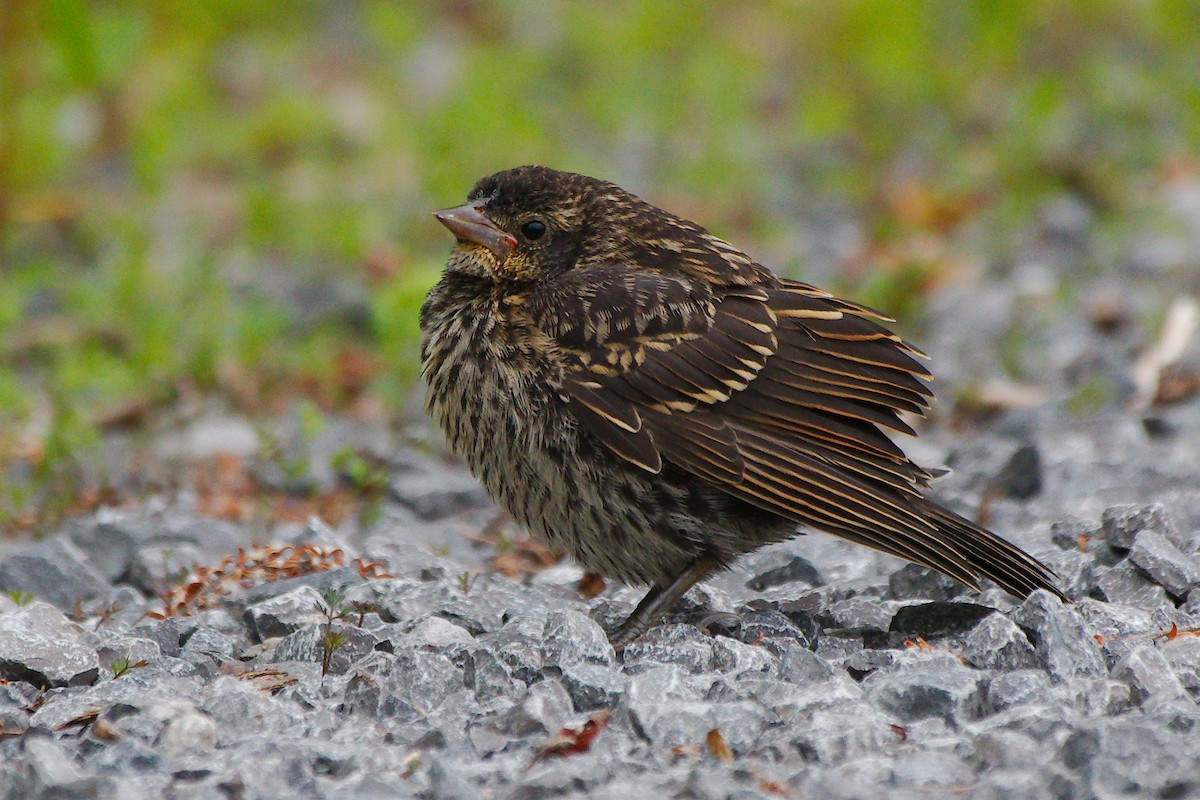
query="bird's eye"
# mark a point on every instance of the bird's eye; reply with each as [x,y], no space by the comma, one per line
[534,229]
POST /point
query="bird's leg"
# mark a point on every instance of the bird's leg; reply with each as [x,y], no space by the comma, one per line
[658,601]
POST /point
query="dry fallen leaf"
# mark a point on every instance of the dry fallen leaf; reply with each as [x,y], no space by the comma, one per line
[84,718]
[1109,311]
[1176,385]
[7,731]
[268,680]
[1000,394]
[718,746]
[1179,328]
[205,587]
[523,559]
[355,366]
[105,731]
[572,740]
[689,749]
[590,585]
[771,786]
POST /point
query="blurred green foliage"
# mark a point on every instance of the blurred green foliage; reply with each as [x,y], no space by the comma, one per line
[230,196]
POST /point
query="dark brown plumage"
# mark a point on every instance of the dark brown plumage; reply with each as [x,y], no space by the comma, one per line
[650,400]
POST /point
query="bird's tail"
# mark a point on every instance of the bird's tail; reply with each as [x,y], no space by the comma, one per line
[986,555]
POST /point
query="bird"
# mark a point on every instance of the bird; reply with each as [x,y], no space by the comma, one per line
[648,399]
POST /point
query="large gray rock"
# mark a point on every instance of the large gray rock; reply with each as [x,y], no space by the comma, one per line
[593,686]
[1120,525]
[1182,654]
[405,685]
[669,708]
[121,698]
[737,658]
[677,645]
[436,493]
[571,637]
[53,570]
[481,609]
[286,613]
[435,633]
[309,644]
[1149,675]
[1169,567]
[492,676]
[150,548]
[793,568]
[997,643]
[1128,585]
[1143,757]
[1065,645]
[842,730]
[942,689]
[913,580]
[938,618]
[40,645]
[339,578]
[55,773]
[1021,476]
[543,710]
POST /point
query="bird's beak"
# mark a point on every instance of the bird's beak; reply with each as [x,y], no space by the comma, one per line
[469,224]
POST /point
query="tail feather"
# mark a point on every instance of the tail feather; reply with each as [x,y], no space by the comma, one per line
[986,555]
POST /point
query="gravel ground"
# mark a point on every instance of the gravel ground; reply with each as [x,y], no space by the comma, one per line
[812,669]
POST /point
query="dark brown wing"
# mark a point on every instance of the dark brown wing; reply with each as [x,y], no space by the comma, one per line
[777,393]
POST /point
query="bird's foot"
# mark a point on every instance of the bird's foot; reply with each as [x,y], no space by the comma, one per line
[657,602]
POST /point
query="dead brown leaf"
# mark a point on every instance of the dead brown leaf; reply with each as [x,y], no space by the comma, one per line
[354,369]
[718,746]
[7,731]
[1176,385]
[523,559]
[772,786]
[86,718]
[206,587]
[105,731]
[921,644]
[1179,328]
[1109,312]
[268,680]
[573,740]
[991,397]
[590,585]
[918,204]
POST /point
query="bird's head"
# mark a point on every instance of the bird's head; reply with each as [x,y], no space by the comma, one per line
[533,222]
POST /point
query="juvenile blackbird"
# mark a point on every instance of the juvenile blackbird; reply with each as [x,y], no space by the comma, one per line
[648,399]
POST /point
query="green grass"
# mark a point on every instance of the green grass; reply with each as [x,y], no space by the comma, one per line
[170,172]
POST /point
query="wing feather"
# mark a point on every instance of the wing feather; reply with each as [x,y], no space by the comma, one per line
[777,394]
[616,423]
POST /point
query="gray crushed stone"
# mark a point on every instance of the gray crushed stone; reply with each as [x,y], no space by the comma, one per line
[828,670]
